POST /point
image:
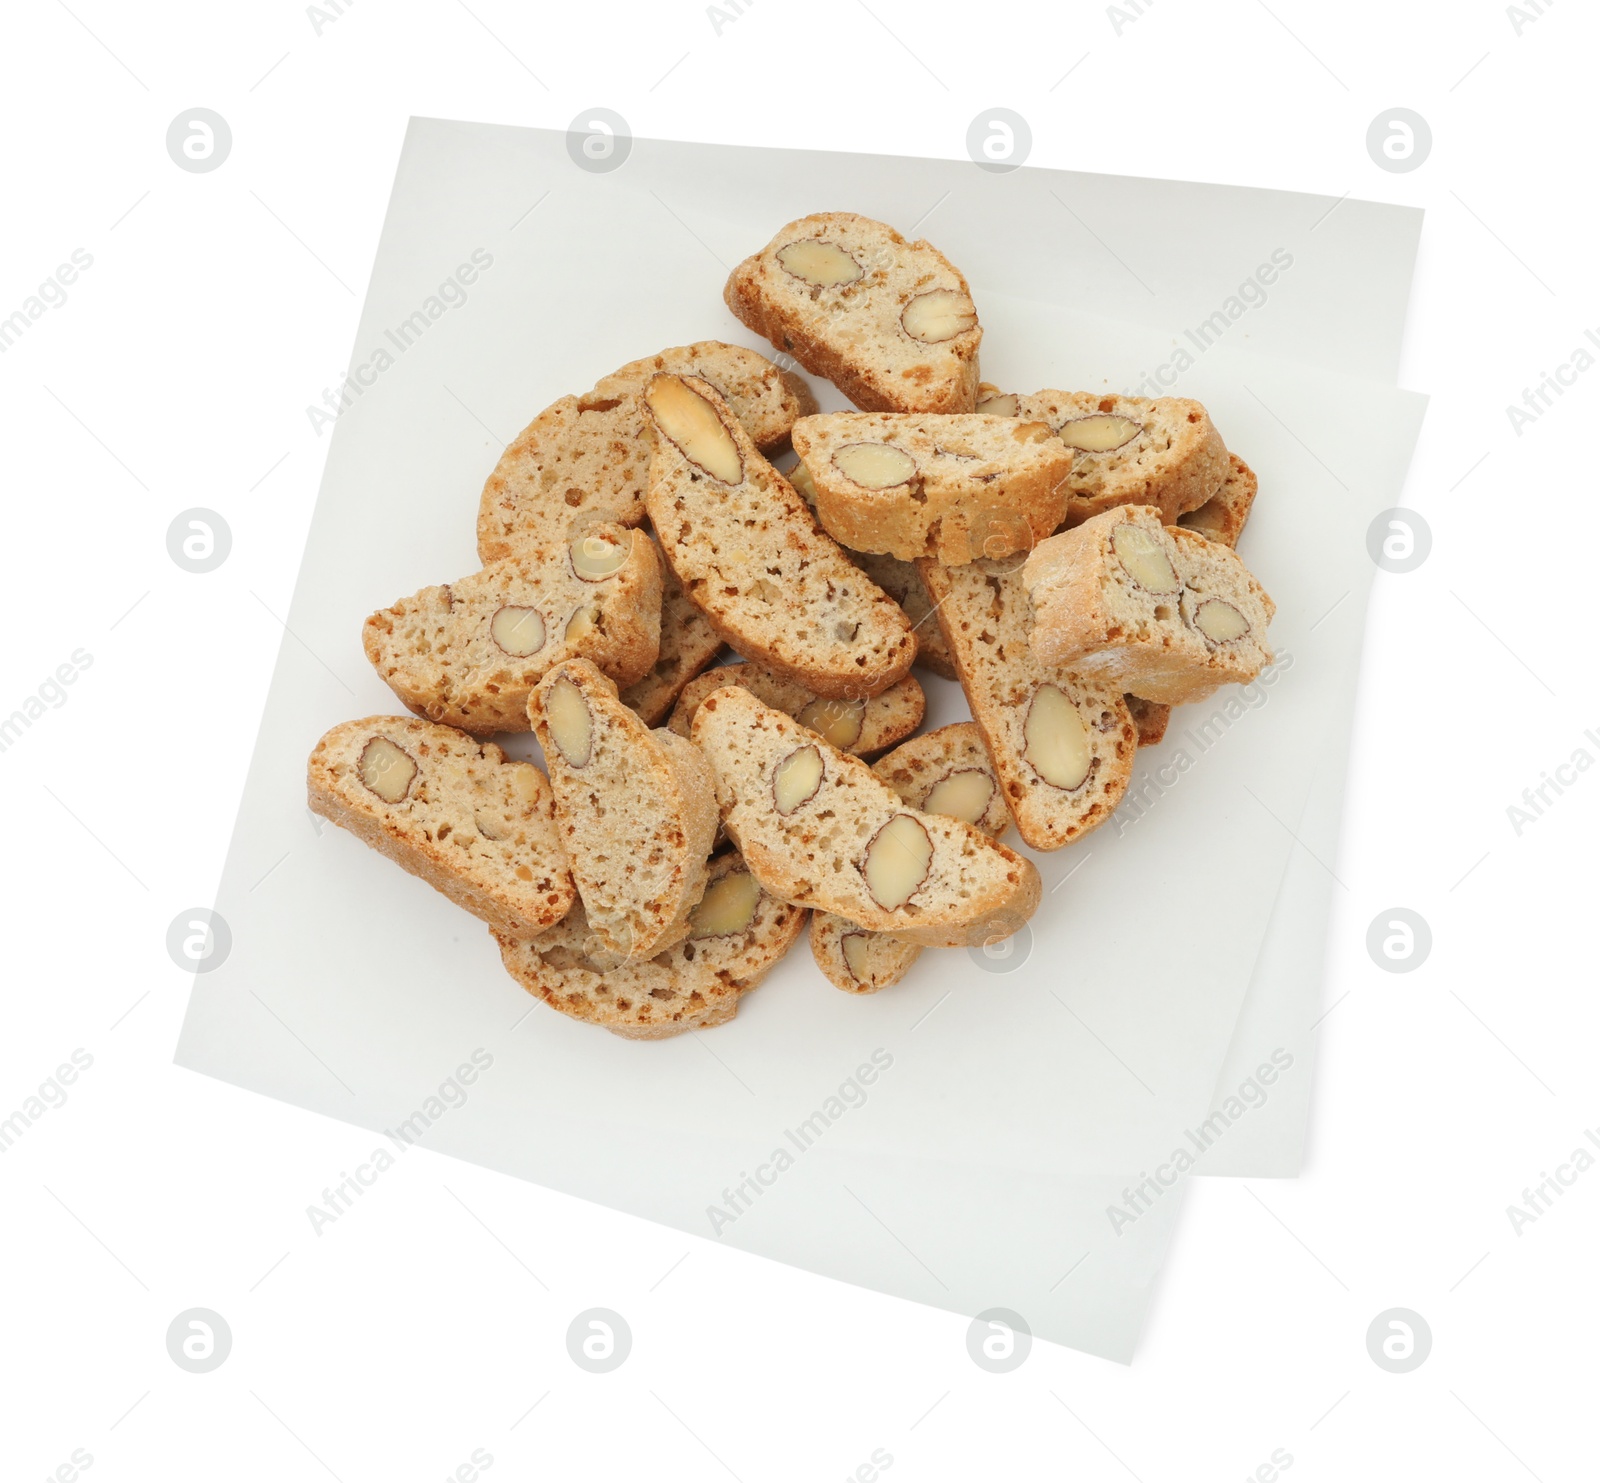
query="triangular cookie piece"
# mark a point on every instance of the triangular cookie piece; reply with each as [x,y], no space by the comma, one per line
[752,558]
[469,654]
[891,323]
[584,459]
[819,828]
[952,487]
[1129,450]
[636,810]
[947,772]
[452,811]
[1063,747]
[1155,610]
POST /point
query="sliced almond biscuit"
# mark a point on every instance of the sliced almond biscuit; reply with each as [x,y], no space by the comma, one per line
[818,828]
[949,772]
[861,727]
[1063,746]
[469,654]
[452,811]
[891,323]
[944,772]
[736,934]
[636,810]
[900,580]
[688,644]
[952,487]
[855,959]
[1222,517]
[1155,610]
[584,459]
[751,557]
[1130,450]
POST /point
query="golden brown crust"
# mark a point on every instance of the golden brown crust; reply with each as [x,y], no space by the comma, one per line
[1150,717]
[1222,518]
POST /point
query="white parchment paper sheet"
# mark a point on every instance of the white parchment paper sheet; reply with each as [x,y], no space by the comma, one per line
[1006,1112]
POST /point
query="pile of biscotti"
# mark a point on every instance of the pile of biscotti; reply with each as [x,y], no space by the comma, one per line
[1066,556]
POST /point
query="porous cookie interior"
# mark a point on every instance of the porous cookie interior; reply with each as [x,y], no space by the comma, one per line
[750,555]
[629,827]
[819,846]
[453,800]
[585,459]
[467,653]
[985,613]
[854,309]
[856,960]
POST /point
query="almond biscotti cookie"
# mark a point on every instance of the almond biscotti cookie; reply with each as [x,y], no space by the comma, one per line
[1222,517]
[945,772]
[952,487]
[818,828]
[1130,450]
[469,654]
[891,323]
[1155,610]
[636,810]
[1062,745]
[856,960]
[584,459]
[452,811]
[737,933]
[751,557]
[949,772]
[862,727]
[900,580]
[688,644]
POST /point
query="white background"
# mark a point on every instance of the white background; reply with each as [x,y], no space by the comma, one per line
[426,1322]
